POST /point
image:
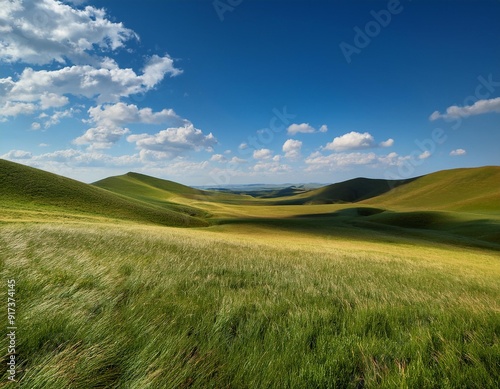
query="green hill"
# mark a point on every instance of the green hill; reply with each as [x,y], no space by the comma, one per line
[350,191]
[27,188]
[467,190]
[158,191]
[141,184]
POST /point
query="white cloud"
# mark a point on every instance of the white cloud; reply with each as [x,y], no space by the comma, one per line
[292,148]
[478,108]
[172,142]
[392,159]
[156,68]
[52,100]
[318,161]
[458,152]
[304,128]
[56,160]
[43,145]
[387,143]
[329,162]
[426,154]
[356,141]
[55,118]
[434,116]
[270,166]
[262,154]
[218,158]
[236,160]
[35,126]
[101,137]
[43,31]
[351,141]
[119,114]
[106,83]
[110,121]
[15,108]
[17,154]
[243,146]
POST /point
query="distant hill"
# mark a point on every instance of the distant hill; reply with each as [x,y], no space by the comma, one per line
[350,191]
[469,190]
[141,184]
[28,188]
[158,191]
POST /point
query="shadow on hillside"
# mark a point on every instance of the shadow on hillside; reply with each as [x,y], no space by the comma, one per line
[374,224]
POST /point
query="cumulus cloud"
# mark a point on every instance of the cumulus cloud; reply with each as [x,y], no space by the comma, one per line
[387,143]
[55,118]
[262,154]
[270,166]
[329,162]
[426,154]
[218,158]
[478,108]
[15,108]
[110,120]
[236,160]
[119,114]
[172,142]
[17,154]
[304,128]
[101,137]
[70,157]
[52,100]
[318,161]
[107,83]
[355,141]
[351,141]
[43,31]
[292,148]
[457,152]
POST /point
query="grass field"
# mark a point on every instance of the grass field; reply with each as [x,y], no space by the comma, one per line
[254,296]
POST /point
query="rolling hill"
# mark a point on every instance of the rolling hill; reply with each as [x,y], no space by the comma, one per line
[466,190]
[163,192]
[27,188]
[349,191]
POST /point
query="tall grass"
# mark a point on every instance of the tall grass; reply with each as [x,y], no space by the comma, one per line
[150,307]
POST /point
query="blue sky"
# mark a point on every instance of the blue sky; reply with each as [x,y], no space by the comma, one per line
[229,92]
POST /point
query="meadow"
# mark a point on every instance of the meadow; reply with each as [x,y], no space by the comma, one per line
[254,295]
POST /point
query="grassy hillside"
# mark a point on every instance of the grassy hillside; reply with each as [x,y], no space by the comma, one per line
[25,189]
[350,191]
[469,190]
[161,192]
[141,184]
[147,307]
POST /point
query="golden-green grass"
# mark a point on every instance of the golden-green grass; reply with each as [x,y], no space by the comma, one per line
[135,306]
[24,189]
[467,190]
